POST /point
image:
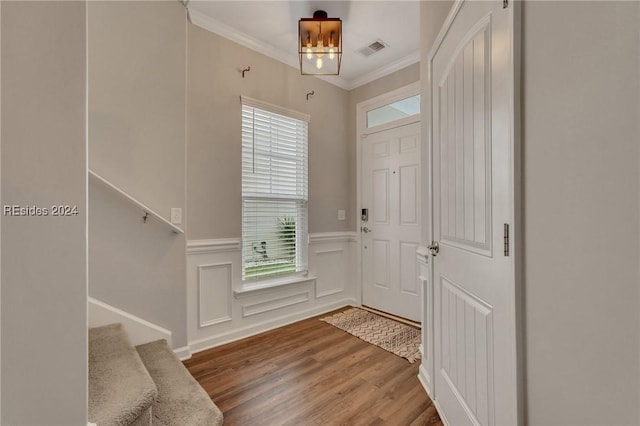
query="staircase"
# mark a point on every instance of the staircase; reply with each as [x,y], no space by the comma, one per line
[144,385]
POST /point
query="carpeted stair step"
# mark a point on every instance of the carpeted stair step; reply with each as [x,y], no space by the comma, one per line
[121,391]
[181,400]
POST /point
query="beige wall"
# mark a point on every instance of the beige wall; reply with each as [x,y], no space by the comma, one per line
[581,204]
[137,97]
[44,285]
[214,85]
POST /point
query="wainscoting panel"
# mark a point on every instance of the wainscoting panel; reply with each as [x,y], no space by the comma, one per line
[221,310]
[275,303]
[214,293]
[333,263]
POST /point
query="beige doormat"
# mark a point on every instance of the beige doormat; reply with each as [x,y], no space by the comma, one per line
[393,336]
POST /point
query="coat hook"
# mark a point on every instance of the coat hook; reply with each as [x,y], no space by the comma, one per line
[311,93]
[144,218]
[247,69]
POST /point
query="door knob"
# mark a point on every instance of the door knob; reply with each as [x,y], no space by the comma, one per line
[434,248]
[366,229]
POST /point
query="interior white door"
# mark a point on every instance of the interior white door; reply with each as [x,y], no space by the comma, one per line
[391,190]
[473,179]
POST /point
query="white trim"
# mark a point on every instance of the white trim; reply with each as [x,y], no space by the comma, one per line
[328,293]
[224,318]
[139,330]
[260,327]
[255,103]
[443,31]
[385,70]
[381,100]
[272,284]
[424,379]
[151,214]
[333,237]
[183,353]
[337,250]
[235,244]
[214,245]
[217,27]
[274,304]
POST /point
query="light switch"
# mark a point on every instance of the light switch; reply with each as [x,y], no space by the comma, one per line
[176,216]
[342,215]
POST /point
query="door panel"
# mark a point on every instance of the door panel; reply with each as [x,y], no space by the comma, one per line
[472,169]
[466,146]
[380,190]
[391,191]
[409,195]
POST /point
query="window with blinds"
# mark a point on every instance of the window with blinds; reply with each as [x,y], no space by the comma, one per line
[274,190]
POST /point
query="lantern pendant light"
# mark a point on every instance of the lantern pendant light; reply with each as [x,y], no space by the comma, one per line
[320,44]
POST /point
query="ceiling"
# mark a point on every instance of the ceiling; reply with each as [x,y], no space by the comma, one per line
[271,27]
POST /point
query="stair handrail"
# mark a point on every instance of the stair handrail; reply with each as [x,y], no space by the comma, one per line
[148,213]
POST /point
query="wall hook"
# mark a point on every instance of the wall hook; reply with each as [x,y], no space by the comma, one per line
[144,218]
[311,93]
[247,69]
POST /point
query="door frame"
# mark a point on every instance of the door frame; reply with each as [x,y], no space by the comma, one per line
[362,132]
[516,234]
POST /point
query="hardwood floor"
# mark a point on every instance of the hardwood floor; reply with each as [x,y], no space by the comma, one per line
[311,373]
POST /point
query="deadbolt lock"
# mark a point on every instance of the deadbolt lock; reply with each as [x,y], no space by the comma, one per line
[434,248]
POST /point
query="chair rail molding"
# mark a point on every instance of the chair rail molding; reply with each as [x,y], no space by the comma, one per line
[330,237]
[213,245]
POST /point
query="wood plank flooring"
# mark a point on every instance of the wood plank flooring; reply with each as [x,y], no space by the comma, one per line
[311,373]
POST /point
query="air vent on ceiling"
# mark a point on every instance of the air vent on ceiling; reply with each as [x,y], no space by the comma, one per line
[372,48]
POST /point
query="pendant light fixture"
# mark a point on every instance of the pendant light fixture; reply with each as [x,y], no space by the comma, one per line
[320,44]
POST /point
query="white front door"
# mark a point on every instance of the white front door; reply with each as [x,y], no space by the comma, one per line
[391,193]
[472,90]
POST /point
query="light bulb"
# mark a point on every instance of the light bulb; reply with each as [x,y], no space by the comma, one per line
[320,46]
[319,62]
[309,51]
[331,49]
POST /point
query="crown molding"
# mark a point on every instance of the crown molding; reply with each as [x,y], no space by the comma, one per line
[386,70]
[217,27]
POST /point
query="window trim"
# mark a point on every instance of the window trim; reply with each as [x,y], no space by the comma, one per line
[258,283]
[245,100]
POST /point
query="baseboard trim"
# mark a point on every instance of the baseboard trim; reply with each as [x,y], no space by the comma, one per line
[423,377]
[244,332]
[139,330]
[183,353]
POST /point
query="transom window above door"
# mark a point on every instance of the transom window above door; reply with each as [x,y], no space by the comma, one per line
[394,111]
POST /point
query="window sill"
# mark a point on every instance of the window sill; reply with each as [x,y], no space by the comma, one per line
[271,284]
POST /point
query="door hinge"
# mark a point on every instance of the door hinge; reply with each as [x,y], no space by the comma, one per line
[506,239]
[505,4]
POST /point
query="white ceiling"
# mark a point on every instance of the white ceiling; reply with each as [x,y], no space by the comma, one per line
[271,27]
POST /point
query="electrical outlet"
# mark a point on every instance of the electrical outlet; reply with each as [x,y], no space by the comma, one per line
[342,215]
[176,216]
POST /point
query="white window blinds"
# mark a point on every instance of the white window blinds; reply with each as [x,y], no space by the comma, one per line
[274,191]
